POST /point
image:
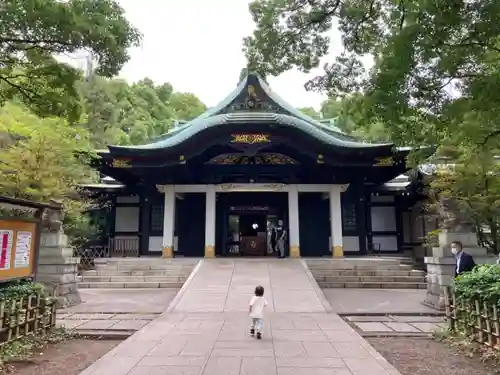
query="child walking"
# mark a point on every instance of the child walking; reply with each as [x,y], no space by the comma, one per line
[256,311]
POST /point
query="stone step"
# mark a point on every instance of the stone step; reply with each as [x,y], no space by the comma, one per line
[371,285]
[129,285]
[108,272]
[143,267]
[370,279]
[341,273]
[133,279]
[340,267]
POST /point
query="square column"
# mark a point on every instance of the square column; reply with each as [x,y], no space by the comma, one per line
[168,221]
[210,222]
[336,221]
[293,221]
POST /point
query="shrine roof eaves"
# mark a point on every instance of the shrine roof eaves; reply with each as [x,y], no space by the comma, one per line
[253,101]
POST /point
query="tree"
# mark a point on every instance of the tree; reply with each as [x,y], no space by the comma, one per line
[311,112]
[44,158]
[33,33]
[119,113]
[434,61]
[473,182]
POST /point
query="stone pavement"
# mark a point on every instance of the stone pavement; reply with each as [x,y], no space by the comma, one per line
[376,301]
[115,312]
[397,325]
[205,329]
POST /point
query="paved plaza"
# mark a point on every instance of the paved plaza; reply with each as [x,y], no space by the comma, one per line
[205,329]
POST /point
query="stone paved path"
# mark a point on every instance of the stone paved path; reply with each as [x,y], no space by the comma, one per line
[205,330]
[397,325]
[115,312]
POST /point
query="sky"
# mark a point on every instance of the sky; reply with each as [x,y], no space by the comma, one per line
[196,45]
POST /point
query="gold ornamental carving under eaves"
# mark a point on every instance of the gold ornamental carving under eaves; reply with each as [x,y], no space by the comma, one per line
[250,138]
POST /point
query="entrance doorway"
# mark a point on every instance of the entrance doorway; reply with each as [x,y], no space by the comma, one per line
[250,219]
[251,234]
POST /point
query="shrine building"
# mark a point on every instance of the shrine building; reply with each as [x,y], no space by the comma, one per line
[218,184]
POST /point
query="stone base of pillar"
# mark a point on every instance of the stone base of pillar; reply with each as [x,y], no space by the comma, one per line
[209,251]
[57,269]
[294,252]
[337,251]
[441,265]
[168,252]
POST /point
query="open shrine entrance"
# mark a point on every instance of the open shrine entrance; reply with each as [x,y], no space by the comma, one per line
[247,222]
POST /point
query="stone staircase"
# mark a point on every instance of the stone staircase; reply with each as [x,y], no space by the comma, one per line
[372,272]
[132,273]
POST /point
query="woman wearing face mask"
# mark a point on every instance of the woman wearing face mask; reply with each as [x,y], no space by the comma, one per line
[464,261]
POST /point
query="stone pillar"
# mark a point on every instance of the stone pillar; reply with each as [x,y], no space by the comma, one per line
[336,221]
[168,221]
[210,222]
[441,265]
[293,221]
[57,269]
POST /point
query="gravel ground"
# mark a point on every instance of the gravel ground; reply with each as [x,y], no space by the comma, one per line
[412,356]
[68,358]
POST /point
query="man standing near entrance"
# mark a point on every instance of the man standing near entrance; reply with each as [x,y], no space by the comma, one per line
[281,238]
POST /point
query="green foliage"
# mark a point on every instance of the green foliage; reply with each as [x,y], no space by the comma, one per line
[482,284]
[436,66]
[119,113]
[45,158]
[473,182]
[311,112]
[34,33]
[20,288]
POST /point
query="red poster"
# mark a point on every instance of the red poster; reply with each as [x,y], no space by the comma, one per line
[5,247]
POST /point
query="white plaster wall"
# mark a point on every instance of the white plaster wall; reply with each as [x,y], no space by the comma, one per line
[383,219]
[156,243]
[351,243]
[128,199]
[386,243]
[127,219]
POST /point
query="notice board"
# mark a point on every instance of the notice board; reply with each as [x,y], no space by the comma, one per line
[17,249]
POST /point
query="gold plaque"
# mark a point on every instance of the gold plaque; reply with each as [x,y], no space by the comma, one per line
[121,163]
[250,138]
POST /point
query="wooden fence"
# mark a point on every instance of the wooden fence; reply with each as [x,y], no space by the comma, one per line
[478,320]
[26,315]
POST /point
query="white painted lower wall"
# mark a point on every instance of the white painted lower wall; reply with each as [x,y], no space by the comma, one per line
[156,243]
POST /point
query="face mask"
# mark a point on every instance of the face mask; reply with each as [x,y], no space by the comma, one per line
[454,251]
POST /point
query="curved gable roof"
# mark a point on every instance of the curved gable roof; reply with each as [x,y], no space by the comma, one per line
[253,101]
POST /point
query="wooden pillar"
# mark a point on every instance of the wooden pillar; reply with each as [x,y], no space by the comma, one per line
[293,221]
[168,221]
[210,222]
[336,221]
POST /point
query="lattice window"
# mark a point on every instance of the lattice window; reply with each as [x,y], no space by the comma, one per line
[157,218]
[349,223]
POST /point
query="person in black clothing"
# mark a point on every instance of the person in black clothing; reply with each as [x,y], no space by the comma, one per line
[281,238]
[464,262]
[273,239]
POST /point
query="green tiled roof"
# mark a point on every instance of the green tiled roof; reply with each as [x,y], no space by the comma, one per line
[253,101]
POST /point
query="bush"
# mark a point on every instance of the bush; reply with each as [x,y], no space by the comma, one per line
[21,288]
[482,284]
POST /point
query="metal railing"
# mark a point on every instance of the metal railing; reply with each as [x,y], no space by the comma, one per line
[116,247]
